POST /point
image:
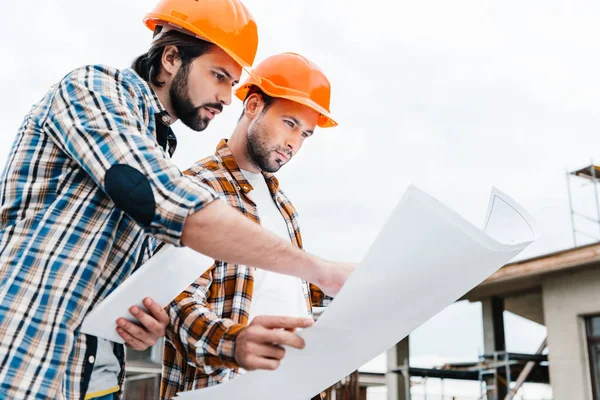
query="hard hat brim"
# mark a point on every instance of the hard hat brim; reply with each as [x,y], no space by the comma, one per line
[153,19]
[324,121]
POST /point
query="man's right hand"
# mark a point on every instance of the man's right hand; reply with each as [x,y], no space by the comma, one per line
[259,345]
[333,275]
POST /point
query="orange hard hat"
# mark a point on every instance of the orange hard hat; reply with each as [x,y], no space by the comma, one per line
[226,23]
[293,77]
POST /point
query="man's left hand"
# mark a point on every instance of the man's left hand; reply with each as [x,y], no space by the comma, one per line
[152,326]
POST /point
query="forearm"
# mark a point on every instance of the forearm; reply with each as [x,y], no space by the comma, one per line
[223,233]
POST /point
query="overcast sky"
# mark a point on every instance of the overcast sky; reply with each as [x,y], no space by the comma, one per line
[455,97]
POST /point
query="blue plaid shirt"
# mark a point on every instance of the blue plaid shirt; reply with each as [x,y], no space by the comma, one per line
[85,183]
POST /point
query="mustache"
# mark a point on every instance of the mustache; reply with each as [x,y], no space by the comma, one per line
[194,111]
[285,150]
[216,106]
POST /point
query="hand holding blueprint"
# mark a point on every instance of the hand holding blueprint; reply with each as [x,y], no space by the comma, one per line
[168,273]
[425,258]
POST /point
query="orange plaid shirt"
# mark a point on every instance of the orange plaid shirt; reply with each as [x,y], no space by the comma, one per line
[206,317]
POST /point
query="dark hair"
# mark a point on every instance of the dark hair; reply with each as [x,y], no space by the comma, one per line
[189,47]
[267,100]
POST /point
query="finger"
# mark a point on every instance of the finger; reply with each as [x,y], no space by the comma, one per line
[157,311]
[270,351]
[152,326]
[261,335]
[136,332]
[255,362]
[130,341]
[309,323]
[270,321]
[283,338]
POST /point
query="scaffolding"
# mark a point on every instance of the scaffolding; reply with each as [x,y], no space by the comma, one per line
[589,175]
[489,374]
[492,371]
[498,368]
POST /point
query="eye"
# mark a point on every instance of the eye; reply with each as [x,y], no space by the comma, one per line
[219,76]
[305,135]
[291,124]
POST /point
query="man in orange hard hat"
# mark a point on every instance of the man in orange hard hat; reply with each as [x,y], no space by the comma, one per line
[89,187]
[236,317]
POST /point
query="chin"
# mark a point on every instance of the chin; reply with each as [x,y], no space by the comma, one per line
[275,167]
[270,168]
[196,125]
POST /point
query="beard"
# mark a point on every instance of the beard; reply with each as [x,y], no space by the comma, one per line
[259,149]
[182,104]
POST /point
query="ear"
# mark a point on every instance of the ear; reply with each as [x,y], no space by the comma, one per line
[170,60]
[253,105]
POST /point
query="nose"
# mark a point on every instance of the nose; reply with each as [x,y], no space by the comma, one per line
[224,95]
[293,142]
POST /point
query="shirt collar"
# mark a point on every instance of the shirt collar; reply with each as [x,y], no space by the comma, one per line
[155,104]
[164,134]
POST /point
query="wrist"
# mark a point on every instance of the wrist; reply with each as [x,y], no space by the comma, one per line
[227,346]
[317,270]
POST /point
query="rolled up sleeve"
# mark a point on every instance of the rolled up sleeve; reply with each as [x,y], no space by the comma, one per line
[206,340]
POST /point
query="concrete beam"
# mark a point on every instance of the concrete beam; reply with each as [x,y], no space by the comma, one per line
[398,385]
[494,340]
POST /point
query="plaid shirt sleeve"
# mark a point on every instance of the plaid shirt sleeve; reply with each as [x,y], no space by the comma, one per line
[318,298]
[206,341]
[101,120]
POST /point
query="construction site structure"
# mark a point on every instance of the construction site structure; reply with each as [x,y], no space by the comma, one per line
[588,176]
[494,372]
[558,291]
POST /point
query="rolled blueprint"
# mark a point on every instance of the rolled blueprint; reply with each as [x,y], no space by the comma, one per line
[424,259]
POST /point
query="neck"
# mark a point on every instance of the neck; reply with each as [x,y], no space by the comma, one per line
[162,92]
[238,145]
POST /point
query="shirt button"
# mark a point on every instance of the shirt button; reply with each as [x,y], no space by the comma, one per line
[91,359]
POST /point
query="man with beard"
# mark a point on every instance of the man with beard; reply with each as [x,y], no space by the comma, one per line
[89,186]
[231,318]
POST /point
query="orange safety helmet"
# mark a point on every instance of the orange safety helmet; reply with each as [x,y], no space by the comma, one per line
[293,77]
[226,23]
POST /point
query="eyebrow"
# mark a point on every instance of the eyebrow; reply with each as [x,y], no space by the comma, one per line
[227,74]
[298,123]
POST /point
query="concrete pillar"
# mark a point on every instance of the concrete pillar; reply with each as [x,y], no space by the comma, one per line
[492,310]
[567,299]
[398,385]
